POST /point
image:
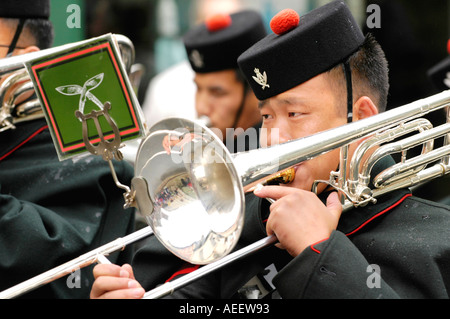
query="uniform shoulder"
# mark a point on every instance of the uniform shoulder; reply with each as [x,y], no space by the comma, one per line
[428,203]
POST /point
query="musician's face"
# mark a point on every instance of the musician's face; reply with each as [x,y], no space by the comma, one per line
[309,108]
[6,36]
[7,31]
[219,96]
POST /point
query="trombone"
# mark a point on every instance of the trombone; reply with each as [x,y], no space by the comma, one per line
[255,167]
[197,184]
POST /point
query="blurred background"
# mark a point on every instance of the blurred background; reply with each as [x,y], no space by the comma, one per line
[413,33]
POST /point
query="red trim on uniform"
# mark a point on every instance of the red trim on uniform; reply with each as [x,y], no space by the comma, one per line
[366,222]
[379,214]
[183,271]
[23,142]
[316,250]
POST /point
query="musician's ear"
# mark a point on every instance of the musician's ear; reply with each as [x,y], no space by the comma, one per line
[29,49]
[363,108]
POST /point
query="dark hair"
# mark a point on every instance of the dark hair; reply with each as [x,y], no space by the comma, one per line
[37,32]
[240,76]
[42,32]
[369,73]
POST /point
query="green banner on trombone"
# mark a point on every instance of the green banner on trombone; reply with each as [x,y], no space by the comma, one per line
[84,78]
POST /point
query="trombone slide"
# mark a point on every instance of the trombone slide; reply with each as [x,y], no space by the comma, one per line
[77,263]
[169,287]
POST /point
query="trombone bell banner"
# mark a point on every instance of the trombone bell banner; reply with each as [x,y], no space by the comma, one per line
[83,78]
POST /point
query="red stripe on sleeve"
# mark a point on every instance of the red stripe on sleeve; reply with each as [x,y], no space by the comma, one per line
[24,142]
[183,271]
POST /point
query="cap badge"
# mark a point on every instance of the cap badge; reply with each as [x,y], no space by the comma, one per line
[261,79]
[197,59]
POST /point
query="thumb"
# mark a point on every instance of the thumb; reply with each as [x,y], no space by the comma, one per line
[334,204]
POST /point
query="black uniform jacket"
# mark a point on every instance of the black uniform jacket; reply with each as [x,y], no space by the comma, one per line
[396,248]
[52,212]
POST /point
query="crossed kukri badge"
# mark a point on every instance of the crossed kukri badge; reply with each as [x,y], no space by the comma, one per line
[107,149]
[84,91]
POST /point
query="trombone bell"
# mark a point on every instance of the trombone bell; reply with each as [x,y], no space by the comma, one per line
[197,199]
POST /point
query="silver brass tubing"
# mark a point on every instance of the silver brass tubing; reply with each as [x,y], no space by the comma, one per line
[169,287]
[77,263]
[275,158]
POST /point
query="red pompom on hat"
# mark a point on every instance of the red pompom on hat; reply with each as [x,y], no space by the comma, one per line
[284,21]
[323,38]
[217,51]
[218,22]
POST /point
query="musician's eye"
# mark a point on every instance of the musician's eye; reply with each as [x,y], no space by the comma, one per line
[295,114]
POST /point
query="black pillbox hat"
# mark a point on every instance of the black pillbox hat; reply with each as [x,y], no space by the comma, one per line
[217,50]
[25,9]
[323,38]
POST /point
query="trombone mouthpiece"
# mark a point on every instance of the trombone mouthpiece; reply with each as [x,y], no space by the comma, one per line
[283,177]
